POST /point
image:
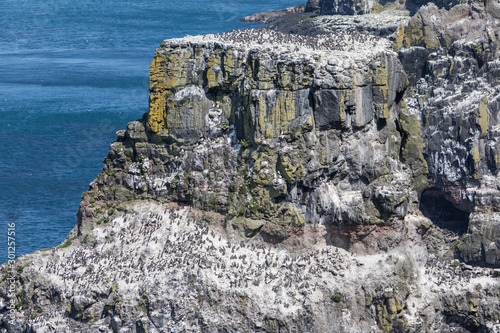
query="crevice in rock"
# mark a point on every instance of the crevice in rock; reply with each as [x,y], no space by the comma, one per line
[452,220]
[337,235]
[381,123]
[399,96]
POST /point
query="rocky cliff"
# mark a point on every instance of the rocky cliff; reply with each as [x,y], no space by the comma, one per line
[360,7]
[284,183]
[272,131]
[452,61]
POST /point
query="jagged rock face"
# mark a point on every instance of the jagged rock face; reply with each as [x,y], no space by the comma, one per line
[311,131]
[312,5]
[358,7]
[452,61]
[314,143]
[349,7]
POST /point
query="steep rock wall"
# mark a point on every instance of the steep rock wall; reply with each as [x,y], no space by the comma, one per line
[305,142]
[273,136]
[453,64]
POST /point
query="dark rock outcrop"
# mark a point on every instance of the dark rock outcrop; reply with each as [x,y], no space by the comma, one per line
[264,16]
[360,7]
[383,24]
[451,58]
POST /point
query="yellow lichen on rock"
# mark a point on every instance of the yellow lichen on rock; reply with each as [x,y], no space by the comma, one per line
[175,72]
[399,39]
[430,40]
[477,159]
[473,305]
[214,77]
[157,96]
[380,76]
[413,33]
[234,64]
[156,113]
[167,73]
[274,121]
[416,34]
[482,117]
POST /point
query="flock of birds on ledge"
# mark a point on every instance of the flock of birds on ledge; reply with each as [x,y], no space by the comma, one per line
[339,41]
[175,244]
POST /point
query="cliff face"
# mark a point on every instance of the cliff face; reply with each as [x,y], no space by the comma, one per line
[452,61]
[272,136]
[277,184]
[357,7]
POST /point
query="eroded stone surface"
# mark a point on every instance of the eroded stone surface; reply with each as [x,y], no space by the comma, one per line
[283,152]
[455,92]
[257,125]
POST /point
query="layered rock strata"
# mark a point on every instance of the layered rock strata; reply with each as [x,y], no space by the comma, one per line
[275,185]
[273,131]
[451,58]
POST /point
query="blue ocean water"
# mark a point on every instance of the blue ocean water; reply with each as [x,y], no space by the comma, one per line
[72,73]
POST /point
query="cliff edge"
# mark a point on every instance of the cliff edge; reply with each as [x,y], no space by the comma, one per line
[290,183]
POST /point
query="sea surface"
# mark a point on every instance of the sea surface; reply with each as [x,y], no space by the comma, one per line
[72,73]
